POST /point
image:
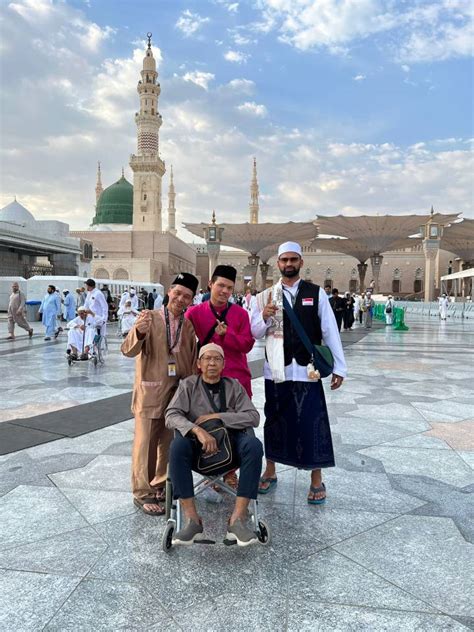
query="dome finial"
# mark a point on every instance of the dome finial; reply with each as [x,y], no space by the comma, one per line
[123,173]
[149,40]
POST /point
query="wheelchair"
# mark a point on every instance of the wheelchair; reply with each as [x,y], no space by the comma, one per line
[174,514]
[96,353]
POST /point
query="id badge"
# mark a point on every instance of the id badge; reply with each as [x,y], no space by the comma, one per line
[171,368]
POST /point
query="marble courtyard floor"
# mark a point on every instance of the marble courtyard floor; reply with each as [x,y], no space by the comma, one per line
[390,550]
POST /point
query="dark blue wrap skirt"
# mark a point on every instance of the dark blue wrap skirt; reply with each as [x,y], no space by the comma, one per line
[297,430]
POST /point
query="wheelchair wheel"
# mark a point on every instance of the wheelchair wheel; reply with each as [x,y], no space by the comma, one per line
[263,532]
[167,538]
[94,360]
[69,360]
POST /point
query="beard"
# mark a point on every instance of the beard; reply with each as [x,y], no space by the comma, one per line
[289,273]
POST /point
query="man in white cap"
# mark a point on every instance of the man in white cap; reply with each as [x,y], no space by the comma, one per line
[81,334]
[296,431]
[198,399]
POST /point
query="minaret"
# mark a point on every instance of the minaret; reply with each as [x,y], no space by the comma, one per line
[171,206]
[98,187]
[253,206]
[148,169]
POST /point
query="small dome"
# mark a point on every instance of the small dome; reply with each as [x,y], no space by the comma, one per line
[16,213]
[115,205]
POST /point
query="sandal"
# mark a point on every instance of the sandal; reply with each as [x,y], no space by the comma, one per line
[317,490]
[271,482]
[160,494]
[141,502]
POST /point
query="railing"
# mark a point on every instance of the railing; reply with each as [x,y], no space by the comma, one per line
[398,316]
[431,310]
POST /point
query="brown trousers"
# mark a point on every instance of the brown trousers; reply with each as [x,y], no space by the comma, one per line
[17,319]
[150,452]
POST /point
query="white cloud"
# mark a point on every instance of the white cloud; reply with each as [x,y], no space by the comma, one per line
[200,78]
[359,78]
[236,57]
[405,68]
[419,32]
[233,7]
[241,86]
[254,109]
[83,110]
[189,23]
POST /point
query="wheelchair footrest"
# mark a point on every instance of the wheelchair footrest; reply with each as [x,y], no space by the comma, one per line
[206,541]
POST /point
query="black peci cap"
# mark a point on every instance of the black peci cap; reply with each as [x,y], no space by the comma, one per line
[227,272]
[187,280]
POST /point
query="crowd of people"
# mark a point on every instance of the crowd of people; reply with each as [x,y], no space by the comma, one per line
[191,352]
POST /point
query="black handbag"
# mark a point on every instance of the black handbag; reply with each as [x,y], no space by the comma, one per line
[225,458]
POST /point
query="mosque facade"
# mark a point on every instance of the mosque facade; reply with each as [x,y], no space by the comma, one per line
[129,241]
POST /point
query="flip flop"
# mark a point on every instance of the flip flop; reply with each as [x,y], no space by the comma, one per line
[272,482]
[140,502]
[317,490]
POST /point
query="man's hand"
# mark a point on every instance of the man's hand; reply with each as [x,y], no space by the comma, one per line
[19,311]
[270,309]
[336,381]
[204,418]
[143,323]
[209,444]
[81,327]
[221,328]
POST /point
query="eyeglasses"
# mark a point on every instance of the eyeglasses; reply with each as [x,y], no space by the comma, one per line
[216,359]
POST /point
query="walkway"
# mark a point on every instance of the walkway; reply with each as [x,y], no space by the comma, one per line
[390,550]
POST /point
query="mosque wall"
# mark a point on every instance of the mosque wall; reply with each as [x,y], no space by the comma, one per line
[402,272]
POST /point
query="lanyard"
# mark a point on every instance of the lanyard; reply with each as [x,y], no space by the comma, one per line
[221,317]
[292,297]
[171,344]
[222,398]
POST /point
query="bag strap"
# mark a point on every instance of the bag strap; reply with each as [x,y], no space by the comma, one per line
[298,326]
[211,331]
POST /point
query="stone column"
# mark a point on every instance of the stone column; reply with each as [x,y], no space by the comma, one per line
[264,272]
[376,263]
[431,249]
[362,268]
[213,250]
[253,265]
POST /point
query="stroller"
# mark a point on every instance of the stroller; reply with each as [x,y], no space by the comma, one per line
[174,514]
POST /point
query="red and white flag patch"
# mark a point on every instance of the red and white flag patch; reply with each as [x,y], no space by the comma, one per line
[307,302]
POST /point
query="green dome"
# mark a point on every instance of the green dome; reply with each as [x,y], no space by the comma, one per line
[115,205]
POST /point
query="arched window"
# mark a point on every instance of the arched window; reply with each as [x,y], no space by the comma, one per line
[396,282]
[102,273]
[418,282]
[120,274]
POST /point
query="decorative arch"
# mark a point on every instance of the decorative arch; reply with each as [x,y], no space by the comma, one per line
[120,274]
[102,273]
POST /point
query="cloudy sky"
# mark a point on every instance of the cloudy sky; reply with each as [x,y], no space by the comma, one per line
[349,107]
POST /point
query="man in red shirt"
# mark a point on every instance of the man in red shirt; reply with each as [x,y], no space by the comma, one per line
[227,325]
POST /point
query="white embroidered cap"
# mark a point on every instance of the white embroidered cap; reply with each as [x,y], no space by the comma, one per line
[290,246]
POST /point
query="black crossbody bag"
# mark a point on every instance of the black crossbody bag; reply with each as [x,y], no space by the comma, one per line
[321,355]
[224,459]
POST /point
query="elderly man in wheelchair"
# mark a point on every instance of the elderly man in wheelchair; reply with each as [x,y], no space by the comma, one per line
[213,419]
